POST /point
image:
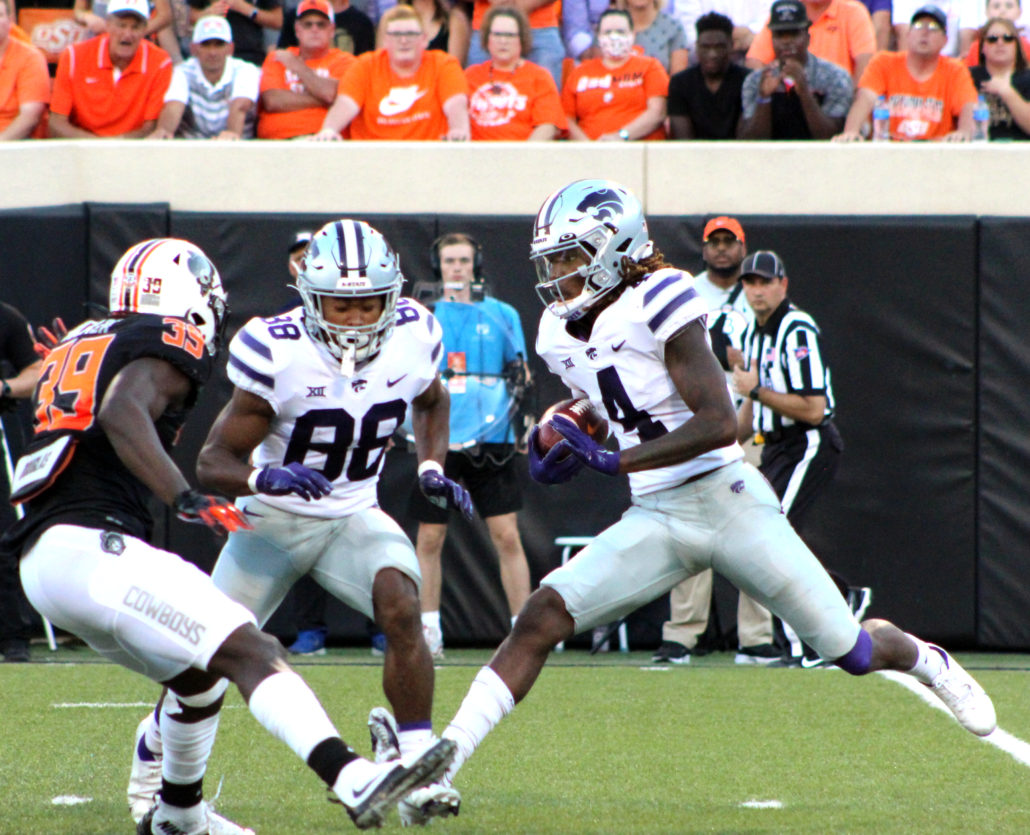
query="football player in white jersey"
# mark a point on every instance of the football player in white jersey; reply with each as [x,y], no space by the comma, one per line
[629,331]
[319,392]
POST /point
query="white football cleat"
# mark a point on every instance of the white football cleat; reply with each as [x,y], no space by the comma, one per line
[145,776]
[422,805]
[215,825]
[964,696]
[375,788]
[434,639]
[382,727]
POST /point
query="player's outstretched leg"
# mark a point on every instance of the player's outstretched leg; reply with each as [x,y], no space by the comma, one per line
[883,646]
[145,774]
[422,805]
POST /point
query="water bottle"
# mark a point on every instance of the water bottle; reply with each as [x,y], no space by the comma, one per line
[981,121]
[881,121]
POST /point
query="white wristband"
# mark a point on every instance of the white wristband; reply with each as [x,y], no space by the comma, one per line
[252,481]
[429,464]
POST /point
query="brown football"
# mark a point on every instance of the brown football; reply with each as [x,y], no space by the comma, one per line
[581,412]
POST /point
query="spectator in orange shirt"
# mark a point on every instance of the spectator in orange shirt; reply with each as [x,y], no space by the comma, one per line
[548,48]
[113,84]
[619,96]
[402,91]
[24,82]
[930,96]
[841,31]
[510,97]
[299,83]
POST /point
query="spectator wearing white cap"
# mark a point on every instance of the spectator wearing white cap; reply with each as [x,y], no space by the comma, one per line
[113,84]
[248,19]
[212,95]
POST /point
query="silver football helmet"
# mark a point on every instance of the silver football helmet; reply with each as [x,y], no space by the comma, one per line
[171,277]
[349,259]
[598,218]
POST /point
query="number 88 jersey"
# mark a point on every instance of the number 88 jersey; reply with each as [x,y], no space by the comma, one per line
[337,425]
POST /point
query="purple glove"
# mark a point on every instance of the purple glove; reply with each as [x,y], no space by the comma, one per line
[552,468]
[445,493]
[293,478]
[585,448]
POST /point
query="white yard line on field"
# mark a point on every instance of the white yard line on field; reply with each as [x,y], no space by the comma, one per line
[1015,747]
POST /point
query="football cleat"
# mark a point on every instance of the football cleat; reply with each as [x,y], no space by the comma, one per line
[381,785]
[215,825]
[765,654]
[382,727]
[964,696]
[145,776]
[859,599]
[422,805]
[671,652]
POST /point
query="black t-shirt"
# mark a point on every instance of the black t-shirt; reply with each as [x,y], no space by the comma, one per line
[1003,126]
[355,32]
[95,489]
[247,35]
[16,342]
[714,115]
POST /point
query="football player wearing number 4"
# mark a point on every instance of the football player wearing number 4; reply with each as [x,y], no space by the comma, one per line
[111,398]
[319,392]
[628,330]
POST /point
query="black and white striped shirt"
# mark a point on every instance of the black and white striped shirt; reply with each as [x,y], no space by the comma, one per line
[790,361]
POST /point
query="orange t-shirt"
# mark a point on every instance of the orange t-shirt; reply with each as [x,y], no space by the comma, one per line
[396,107]
[508,105]
[973,56]
[307,120]
[542,17]
[23,78]
[842,32]
[920,109]
[603,100]
[87,92]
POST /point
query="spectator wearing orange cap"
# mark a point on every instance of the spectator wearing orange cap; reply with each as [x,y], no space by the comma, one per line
[113,84]
[24,82]
[298,84]
[512,98]
[402,91]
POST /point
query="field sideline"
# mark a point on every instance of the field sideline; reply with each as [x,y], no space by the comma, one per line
[603,744]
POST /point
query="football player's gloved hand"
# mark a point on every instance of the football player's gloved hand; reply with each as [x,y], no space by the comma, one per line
[8,403]
[585,448]
[552,468]
[49,338]
[441,491]
[219,514]
[293,478]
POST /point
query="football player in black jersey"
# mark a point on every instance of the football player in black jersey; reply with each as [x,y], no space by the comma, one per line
[111,397]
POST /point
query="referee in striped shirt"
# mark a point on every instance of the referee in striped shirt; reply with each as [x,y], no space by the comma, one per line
[789,401]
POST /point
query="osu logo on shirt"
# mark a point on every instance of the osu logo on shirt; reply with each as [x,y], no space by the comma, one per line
[496,104]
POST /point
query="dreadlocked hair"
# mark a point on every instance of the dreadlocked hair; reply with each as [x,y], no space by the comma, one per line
[633,272]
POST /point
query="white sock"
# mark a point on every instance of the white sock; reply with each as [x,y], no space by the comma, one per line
[431,619]
[187,745]
[487,702]
[287,709]
[412,741]
[929,664]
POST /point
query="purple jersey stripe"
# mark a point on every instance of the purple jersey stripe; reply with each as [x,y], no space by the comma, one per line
[257,347]
[675,304]
[256,376]
[665,282]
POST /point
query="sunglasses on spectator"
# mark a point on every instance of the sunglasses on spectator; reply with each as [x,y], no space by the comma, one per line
[996,38]
[504,34]
[930,25]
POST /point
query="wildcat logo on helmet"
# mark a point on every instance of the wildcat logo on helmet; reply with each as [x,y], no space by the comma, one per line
[604,204]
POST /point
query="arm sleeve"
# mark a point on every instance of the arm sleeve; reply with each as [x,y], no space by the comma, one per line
[61,100]
[964,91]
[179,88]
[273,75]
[247,81]
[861,34]
[547,107]
[749,94]
[355,82]
[656,79]
[875,76]
[802,361]
[158,88]
[451,80]
[34,80]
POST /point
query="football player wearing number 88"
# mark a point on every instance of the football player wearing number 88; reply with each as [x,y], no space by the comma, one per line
[319,391]
[628,330]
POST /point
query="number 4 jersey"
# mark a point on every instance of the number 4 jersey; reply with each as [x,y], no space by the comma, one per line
[338,425]
[622,368]
[70,473]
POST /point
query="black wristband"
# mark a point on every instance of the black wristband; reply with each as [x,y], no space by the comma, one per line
[753,394]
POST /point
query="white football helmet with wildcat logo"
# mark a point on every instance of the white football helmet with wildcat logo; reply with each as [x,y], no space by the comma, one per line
[171,277]
[599,218]
[349,259]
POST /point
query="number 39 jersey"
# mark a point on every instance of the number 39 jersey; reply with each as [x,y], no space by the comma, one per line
[94,488]
[622,368]
[338,425]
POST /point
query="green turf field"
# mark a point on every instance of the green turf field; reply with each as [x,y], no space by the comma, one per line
[603,744]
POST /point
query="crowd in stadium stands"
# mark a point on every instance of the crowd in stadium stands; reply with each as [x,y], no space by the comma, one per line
[591,70]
